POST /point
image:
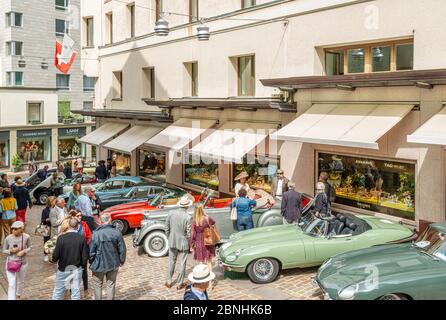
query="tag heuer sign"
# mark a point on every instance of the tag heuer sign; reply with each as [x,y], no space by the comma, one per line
[72,132]
[34,133]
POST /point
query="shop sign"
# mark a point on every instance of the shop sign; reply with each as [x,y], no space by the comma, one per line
[72,132]
[4,135]
[33,134]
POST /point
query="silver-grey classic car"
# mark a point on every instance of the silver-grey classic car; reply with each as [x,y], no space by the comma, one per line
[152,239]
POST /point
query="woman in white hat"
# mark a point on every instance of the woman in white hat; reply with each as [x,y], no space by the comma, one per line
[17,245]
[241,183]
[200,278]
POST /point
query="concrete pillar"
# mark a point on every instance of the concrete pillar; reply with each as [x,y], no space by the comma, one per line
[54,145]
[12,145]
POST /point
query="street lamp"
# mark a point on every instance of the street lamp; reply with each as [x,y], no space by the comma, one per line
[203,33]
[161,27]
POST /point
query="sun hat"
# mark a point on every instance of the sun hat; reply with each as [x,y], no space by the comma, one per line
[242,174]
[201,274]
[20,183]
[185,202]
[17,225]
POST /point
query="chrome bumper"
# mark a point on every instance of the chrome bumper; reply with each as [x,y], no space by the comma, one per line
[317,284]
[135,238]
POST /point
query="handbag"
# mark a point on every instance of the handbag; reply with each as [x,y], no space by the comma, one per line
[14,266]
[42,230]
[211,235]
[234,211]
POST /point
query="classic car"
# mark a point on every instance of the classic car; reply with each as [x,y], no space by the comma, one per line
[42,190]
[389,272]
[262,253]
[33,180]
[84,179]
[151,237]
[129,212]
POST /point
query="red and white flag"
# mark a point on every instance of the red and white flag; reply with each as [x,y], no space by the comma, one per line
[65,54]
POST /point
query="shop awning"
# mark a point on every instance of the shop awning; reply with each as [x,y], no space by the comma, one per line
[432,132]
[350,125]
[233,140]
[180,134]
[104,133]
[132,138]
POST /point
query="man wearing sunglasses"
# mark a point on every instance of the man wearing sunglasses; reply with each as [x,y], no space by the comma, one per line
[280,184]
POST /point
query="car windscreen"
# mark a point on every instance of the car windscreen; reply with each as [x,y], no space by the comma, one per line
[312,225]
[432,241]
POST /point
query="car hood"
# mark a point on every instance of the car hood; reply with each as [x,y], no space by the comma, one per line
[383,223]
[388,260]
[266,235]
[139,205]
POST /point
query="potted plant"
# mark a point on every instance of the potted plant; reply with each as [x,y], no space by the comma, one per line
[16,162]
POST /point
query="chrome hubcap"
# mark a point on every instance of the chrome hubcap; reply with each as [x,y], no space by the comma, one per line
[390,297]
[157,244]
[263,269]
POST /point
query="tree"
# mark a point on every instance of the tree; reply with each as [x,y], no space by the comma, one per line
[16,161]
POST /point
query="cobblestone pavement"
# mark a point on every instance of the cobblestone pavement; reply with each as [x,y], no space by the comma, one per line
[143,277]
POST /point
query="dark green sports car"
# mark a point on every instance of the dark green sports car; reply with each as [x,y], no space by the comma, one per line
[389,272]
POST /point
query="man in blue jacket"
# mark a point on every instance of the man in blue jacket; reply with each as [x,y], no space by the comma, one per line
[200,278]
[107,254]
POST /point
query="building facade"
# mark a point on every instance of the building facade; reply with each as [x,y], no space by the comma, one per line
[35,97]
[338,86]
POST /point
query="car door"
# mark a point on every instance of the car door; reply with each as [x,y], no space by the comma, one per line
[326,247]
[113,192]
[222,218]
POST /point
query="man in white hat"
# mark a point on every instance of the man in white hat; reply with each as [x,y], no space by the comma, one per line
[177,231]
[200,278]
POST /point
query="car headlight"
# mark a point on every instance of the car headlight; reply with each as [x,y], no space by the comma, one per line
[348,293]
[232,257]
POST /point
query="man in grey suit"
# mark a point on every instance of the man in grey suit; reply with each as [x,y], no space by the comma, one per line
[291,205]
[177,231]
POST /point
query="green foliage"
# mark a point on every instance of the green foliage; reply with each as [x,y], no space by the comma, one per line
[16,161]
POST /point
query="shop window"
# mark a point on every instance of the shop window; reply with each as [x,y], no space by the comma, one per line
[248,3]
[404,56]
[69,145]
[35,112]
[34,145]
[4,149]
[246,75]
[381,59]
[261,171]
[89,83]
[14,19]
[384,186]
[201,174]
[14,48]
[334,63]
[123,162]
[356,60]
[89,32]
[193,10]
[14,78]
[148,83]
[152,164]
[62,28]
[63,81]
[117,85]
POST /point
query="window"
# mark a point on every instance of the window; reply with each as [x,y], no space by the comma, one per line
[34,145]
[384,186]
[14,48]
[194,78]
[248,3]
[64,112]
[109,19]
[246,76]
[132,20]
[158,8]
[88,105]
[62,4]
[89,83]
[89,24]
[35,113]
[152,164]
[381,58]
[148,83]
[404,56]
[193,10]
[261,170]
[14,19]
[117,85]
[202,174]
[356,60]
[14,78]
[63,81]
[61,28]
[375,57]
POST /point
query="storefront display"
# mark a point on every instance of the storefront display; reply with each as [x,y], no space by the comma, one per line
[202,174]
[4,149]
[123,162]
[261,171]
[69,147]
[34,145]
[378,185]
[152,164]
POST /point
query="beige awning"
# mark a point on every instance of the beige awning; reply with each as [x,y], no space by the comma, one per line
[180,134]
[350,125]
[233,140]
[431,132]
[132,138]
[104,133]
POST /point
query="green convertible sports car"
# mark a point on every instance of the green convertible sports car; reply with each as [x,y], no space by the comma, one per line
[389,272]
[263,252]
